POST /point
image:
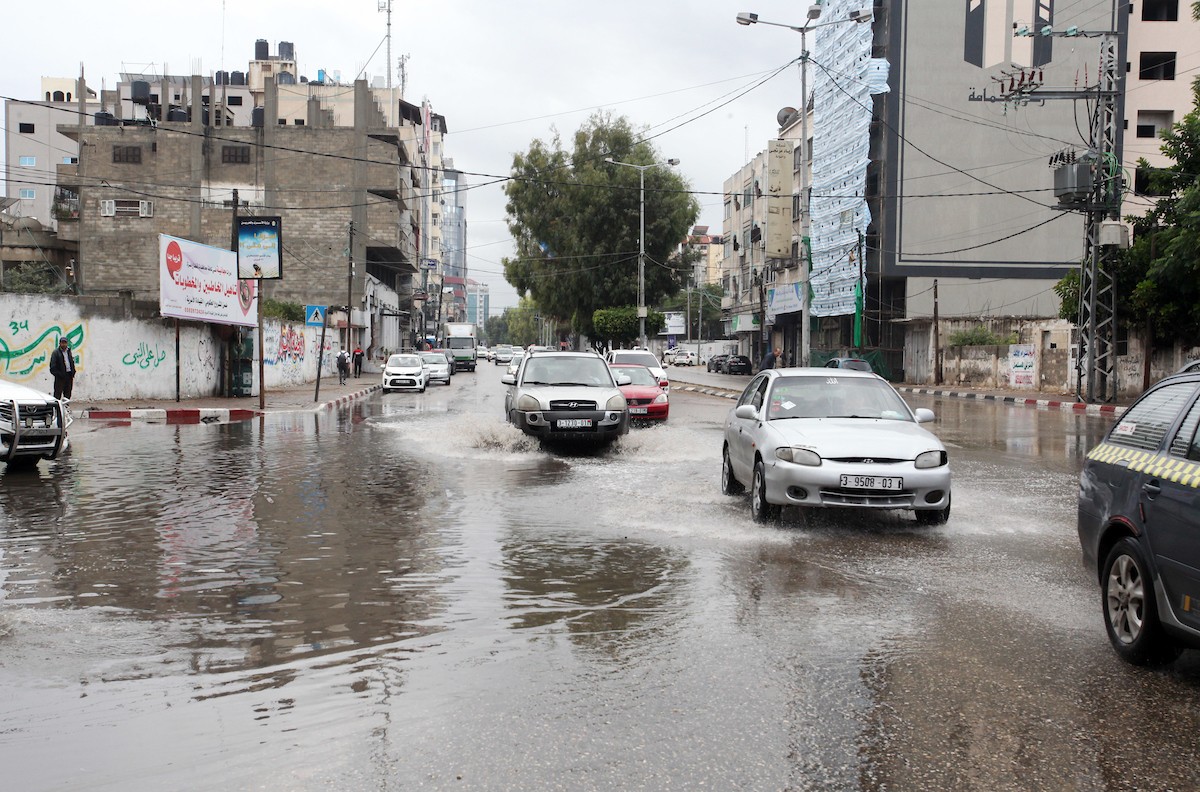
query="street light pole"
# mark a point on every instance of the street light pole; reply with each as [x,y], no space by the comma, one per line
[641,295]
[814,12]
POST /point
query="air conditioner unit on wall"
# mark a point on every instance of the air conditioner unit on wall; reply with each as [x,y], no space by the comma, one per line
[108,208]
[145,208]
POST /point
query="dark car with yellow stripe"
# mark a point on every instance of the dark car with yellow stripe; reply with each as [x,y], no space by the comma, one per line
[1139,523]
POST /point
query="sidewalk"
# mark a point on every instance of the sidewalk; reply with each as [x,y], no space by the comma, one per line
[698,380]
[221,409]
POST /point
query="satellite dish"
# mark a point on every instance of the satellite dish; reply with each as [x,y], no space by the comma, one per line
[784,115]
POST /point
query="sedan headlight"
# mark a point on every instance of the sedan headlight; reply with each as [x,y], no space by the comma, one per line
[930,459]
[616,402]
[660,398]
[527,403]
[798,456]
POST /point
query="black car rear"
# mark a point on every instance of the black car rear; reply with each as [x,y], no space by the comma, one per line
[737,364]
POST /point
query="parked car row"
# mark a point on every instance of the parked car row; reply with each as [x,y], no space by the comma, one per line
[730,364]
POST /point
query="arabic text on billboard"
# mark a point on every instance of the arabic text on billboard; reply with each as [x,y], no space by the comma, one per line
[259,247]
[200,282]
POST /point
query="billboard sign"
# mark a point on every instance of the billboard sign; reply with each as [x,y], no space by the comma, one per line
[260,248]
[200,282]
[779,199]
[675,323]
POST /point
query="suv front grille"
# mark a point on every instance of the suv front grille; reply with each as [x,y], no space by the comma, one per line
[565,405]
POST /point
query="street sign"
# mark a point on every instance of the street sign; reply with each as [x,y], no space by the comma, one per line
[429,263]
[314,315]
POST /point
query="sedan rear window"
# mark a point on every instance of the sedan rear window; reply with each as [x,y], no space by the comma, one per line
[641,358]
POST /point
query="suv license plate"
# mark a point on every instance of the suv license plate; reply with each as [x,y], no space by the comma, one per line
[873,482]
[575,423]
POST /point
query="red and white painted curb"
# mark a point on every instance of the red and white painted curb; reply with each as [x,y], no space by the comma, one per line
[1051,404]
[198,415]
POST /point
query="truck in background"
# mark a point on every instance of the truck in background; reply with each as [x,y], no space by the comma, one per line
[460,340]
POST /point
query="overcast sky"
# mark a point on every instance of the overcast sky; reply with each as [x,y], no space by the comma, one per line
[502,72]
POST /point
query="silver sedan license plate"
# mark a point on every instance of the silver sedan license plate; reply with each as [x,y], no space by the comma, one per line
[873,482]
[574,423]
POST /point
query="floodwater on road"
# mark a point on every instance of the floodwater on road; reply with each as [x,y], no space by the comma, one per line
[407,593]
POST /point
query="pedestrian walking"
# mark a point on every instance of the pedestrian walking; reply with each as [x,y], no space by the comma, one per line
[768,361]
[62,368]
[358,361]
[343,366]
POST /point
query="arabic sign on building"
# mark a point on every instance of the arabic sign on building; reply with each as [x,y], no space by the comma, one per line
[259,248]
[779,199]
[1022,366]
[200,282]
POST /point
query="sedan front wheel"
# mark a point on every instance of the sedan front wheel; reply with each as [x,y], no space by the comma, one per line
[760,510]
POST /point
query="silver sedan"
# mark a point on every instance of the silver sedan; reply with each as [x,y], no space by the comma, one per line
[829,438]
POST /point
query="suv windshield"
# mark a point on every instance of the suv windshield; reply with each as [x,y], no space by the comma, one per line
[554,370]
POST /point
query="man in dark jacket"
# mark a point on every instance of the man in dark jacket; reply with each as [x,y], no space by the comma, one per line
[358,361]
[62,368]
[768,361]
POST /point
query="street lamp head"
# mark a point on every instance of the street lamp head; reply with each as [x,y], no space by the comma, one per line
[814,11]
[861,15]
[672,161]
[746,18]
[608,159]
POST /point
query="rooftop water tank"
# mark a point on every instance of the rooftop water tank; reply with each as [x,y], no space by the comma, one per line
[105,119]
[177,114]
[262,50]
[287,78]
[139,92]
[237,78]
[222,78]
[256,117]
[287,51]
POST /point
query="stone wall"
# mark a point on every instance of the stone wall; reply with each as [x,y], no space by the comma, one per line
[125,351]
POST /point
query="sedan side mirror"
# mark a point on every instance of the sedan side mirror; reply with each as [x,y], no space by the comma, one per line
[745,411]
[624,379]
[508,379]
[923,414]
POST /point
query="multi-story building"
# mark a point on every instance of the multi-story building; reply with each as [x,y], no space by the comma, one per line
[707,248]
[930,167]
[34,148]
[170,172]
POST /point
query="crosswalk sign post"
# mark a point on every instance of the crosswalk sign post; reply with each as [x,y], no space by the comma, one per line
[317,316]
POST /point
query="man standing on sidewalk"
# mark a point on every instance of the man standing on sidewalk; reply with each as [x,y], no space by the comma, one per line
[358,361]
[62,368]
[768,361]
[343,366]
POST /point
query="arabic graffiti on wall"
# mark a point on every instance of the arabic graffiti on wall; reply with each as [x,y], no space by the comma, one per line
[26,353]
[145,356]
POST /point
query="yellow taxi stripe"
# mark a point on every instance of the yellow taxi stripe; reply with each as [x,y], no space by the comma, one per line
[1181,471]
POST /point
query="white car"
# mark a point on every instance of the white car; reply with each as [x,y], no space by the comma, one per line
[33,425]
[437,368]
[405,370]
[815,437]
[684,357]
[639,357]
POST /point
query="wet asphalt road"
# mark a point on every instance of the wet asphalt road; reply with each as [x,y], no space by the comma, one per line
[407,594]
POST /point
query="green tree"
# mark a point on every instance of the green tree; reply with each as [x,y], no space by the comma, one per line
[34,277]
[522,326]
[619,326]
[496,329]
[575,220]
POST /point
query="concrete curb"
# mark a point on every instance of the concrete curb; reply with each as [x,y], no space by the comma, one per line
[209,415]
[1091,409]
[1053,404]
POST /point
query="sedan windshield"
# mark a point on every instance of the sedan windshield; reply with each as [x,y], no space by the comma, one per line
[835,397]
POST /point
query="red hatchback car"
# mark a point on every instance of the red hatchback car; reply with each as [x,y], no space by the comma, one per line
[645,394]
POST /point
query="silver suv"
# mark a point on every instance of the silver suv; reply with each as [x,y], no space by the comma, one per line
[1138,523]
[566,396]
[33,425]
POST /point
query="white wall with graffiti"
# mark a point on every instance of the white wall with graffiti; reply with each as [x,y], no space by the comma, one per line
[131,358]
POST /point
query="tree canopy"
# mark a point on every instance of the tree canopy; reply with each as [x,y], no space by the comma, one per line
[575,220]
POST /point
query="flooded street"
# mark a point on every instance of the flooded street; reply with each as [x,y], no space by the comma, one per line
[408,594]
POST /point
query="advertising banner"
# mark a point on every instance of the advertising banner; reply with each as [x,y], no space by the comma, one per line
[779,199]
[200,282]
[1022,366]
[675,323]
[260,248]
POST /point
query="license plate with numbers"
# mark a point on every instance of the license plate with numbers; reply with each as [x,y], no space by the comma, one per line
[891,483]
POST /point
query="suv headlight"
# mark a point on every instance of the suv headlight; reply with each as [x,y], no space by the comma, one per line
[527,403]
[798,456]
[930,459]
[616,402]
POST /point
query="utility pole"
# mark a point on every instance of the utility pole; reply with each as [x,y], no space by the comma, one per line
[937,346]
[349,287]
[1091,185]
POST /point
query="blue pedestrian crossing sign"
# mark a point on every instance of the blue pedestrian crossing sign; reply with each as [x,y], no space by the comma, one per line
[314,315]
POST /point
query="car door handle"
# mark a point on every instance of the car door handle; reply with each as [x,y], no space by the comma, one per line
[1152,488]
